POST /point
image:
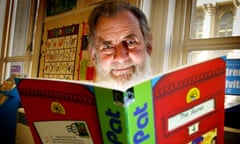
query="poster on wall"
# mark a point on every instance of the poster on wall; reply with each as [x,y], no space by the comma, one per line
[86,70]
[233,77]
[60,52]
[59,6]
[16,69]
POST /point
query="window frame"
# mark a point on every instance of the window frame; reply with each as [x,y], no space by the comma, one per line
[226,29]
[26,58]
[182,44]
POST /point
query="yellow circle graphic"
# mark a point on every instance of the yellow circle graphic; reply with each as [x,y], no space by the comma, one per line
[193,94]
[57,107]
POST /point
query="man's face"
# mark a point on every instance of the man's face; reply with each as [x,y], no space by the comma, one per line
[121,53]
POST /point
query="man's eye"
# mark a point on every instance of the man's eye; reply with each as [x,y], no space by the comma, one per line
[130,42]
[107,47]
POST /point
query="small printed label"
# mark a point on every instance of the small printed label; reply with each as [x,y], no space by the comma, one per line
[191,114]
[63,132]
[123,99]
[193,128]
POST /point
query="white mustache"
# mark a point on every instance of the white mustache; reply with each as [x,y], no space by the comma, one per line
[124,65]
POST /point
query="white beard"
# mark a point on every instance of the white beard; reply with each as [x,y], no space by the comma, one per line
[141,72]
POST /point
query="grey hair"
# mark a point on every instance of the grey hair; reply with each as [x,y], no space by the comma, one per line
[111,8]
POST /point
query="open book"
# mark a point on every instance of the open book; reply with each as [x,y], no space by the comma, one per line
[183,106]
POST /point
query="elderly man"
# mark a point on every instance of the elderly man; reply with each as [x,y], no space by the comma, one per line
[120,43]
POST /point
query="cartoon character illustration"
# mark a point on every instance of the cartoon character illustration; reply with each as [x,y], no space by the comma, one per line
[208,138]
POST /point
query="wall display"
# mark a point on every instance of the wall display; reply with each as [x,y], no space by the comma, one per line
[86,70]
[233,77]
[59,6]
[60,52]
[16,69]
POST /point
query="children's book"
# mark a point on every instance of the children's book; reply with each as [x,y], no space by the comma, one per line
[183,106]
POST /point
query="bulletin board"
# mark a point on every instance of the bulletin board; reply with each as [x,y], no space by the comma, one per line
[60,53]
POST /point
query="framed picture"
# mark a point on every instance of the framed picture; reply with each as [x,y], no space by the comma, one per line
[59,6]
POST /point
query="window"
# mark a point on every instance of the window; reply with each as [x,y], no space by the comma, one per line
[2,17]
[198,27]
[213,24]
[218,18]
[220,32]
[204,29]
[15,37]
[225,25]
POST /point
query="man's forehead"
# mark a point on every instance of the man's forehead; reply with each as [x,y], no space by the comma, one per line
[121,18]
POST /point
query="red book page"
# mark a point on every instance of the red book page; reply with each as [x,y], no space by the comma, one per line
[59,102]
[189,103]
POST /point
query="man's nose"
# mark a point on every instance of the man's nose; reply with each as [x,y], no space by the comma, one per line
[121,53]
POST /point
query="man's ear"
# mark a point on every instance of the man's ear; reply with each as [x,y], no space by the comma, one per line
[92,52]
[149,45]
[149,49]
